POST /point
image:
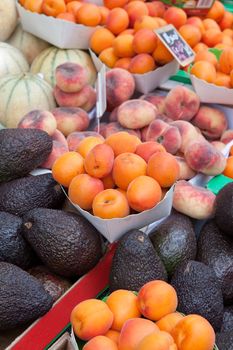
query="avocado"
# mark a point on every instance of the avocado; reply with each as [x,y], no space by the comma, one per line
[227,324]
[53,284]
[224,340]
[199,292]
[21,151]
[135,262]
[216,250]
[22,298]
[175,241]
[224,209]
[65,242]
[13,247]
[21,195]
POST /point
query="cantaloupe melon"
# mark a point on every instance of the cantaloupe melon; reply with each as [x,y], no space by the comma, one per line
[52,57]
[8,18]
[12,61]
[28,44]
[19,94]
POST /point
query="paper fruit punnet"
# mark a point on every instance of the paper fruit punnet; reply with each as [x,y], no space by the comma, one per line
[146,82]
[58,32]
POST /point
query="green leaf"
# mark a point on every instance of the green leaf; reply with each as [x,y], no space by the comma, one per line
[216,52]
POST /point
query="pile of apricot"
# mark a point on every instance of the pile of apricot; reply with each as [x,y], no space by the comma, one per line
[117,176]
[117,323]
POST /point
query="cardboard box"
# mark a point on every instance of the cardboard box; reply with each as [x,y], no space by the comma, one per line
[149,81]
[58,32]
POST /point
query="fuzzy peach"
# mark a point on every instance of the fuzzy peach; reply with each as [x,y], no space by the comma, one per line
[218,145]
[71,77]
[120,86]
[211,121]
[185,173]
[156,100]
[194,201]
[136,114]
[75,137]
[203,157]
[90,104]
[115,127]
[38,119]
[87,144]
[187,131]
[71,119]
[90,318]
[227,136]
[161,132]
[58,150]
[181,103]
[72,99]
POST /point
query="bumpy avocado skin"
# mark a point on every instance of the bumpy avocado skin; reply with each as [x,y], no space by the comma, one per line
[227,324]
[135,263]
[21,195]
[22,298]
[224,209]
[175,241]
[215,249]
[65,242]
[224,340]
[13,247]
[21,151]
[199,292]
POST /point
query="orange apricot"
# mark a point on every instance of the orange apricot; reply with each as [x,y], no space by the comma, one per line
[101,39]
[191,34]
[175,16]
[123,46]
[99,161]
[144,41]
[87,144]
[117,20]
[141,64]
[161,54]
[168,322]
[108,57]
[204,70]
[53,7]
[122,142]
[88,15]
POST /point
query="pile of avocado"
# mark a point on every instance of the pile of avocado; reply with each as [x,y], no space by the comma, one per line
[43,249]
[199,265]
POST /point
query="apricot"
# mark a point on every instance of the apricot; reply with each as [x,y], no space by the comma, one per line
[136,114]
[108,181]
[101,39]
[123,304]
[104,11]
[211,37]
[71,119]
[226,61]
[53,8]
[117,20]
[100,343]
[110,4]
[136,9]
[120,86]
[194,332]
[143,193]
[204,70]
[88,15]
[146,22]
[191,34]
[73,6]
[164,168]
[123,63]
[168,322]
[142,63]
[71,77]
[210,23]
[156,8]
[72,99]
[115,127]
[133,331]
[87,144]
[161,54]
[122,142]
[226,21]
[126,167]
[216,12]
[82,191]
[200,47]
[144,41]
[38,119]
[75,137]
[108,57]
[197,22]
[175,16]
[32,6]
[163,341]
[147,149]
[113,335]
[123,46]
[110,204]
[66,167]
[99,161]
[90,318]
[206,55]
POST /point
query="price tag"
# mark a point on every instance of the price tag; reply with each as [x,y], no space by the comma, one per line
[178,47]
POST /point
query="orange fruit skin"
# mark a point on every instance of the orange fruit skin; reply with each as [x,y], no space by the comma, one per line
[117,20]
[168,322]
[66,167]
[53,7]
[88,15]
[204,70]
[228,171]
